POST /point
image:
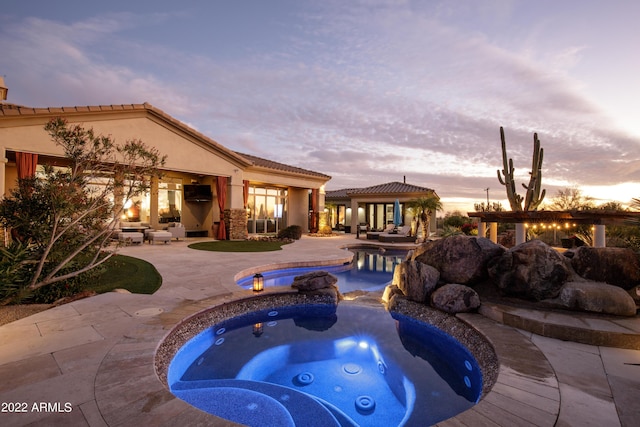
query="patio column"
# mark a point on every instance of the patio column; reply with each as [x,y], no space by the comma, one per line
[599,236]
[354,216]
[154,218]
[482,229]
[521,233]
[236,205]
[298,211]
[493,232]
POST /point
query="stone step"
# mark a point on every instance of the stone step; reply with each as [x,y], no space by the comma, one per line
[585,328]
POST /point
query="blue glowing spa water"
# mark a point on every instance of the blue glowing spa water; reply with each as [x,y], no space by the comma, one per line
[321,366]
[370,270]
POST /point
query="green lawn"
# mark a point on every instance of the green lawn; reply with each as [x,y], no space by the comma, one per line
[238,246]
[125,272]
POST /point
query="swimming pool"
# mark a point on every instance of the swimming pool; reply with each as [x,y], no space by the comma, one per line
[326,365]
[370,270]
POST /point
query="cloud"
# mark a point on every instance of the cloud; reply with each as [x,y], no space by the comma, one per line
[366,92]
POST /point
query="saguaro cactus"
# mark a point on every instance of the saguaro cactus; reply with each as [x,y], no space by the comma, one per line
[534,196]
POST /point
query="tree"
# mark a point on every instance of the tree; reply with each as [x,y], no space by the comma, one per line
[489,207]
[571,199]
[456,219]
[612,206]
[423,208]
[67,216]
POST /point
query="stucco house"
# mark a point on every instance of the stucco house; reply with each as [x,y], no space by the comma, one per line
[204,183]
[374,206]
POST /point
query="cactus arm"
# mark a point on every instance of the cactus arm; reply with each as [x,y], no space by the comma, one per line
[515,200]
[533,196]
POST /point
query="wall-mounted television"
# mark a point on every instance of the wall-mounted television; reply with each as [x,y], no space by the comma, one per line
[197,193]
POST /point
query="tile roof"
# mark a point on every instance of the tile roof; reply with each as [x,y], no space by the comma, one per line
[270,164]
[12,110]
[7,109]
[339,194]
[386,189]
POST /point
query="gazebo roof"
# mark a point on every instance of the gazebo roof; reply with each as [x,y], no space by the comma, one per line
[593,216]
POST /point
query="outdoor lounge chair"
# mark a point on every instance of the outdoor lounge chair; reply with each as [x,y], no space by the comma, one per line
[402,235]
[373,235]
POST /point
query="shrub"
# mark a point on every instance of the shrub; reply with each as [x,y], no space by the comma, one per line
[15,270]
[291,232]
[66,288]
[469,228]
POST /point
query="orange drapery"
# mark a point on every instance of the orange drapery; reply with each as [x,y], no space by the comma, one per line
[26,163]
[221,191]
[245,192]
[314,210]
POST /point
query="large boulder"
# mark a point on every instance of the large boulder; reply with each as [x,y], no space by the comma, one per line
[459,259]
[454,298]
[635,294]
[314,281]
[416,280]
[615,266]
[531,270]
[597,297]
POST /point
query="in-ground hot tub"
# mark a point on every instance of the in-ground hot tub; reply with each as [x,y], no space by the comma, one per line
[321,365]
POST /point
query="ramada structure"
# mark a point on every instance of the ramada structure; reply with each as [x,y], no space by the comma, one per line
[212,190]
[597,218]
[373,206]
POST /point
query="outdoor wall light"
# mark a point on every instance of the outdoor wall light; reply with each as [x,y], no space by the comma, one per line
[258,282]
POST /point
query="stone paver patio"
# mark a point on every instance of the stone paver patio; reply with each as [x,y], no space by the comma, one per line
[91,362]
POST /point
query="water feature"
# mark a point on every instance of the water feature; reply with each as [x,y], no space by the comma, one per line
[326,365]
[370,270]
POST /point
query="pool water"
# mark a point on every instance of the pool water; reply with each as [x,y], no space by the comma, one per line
[370,270]
[326,366]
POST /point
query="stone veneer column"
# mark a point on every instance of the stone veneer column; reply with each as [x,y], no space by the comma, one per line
[236,222]
[323,223]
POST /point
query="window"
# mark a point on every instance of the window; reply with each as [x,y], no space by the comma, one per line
[266,209]
[169,200]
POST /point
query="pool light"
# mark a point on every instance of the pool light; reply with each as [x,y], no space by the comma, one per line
[258,282]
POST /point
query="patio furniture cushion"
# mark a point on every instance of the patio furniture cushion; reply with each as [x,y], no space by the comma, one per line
[130,237]
[159,236]
[177,231]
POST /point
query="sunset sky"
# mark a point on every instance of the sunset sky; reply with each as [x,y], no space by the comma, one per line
[365,91]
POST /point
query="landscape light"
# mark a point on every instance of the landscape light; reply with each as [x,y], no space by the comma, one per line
[258,282]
